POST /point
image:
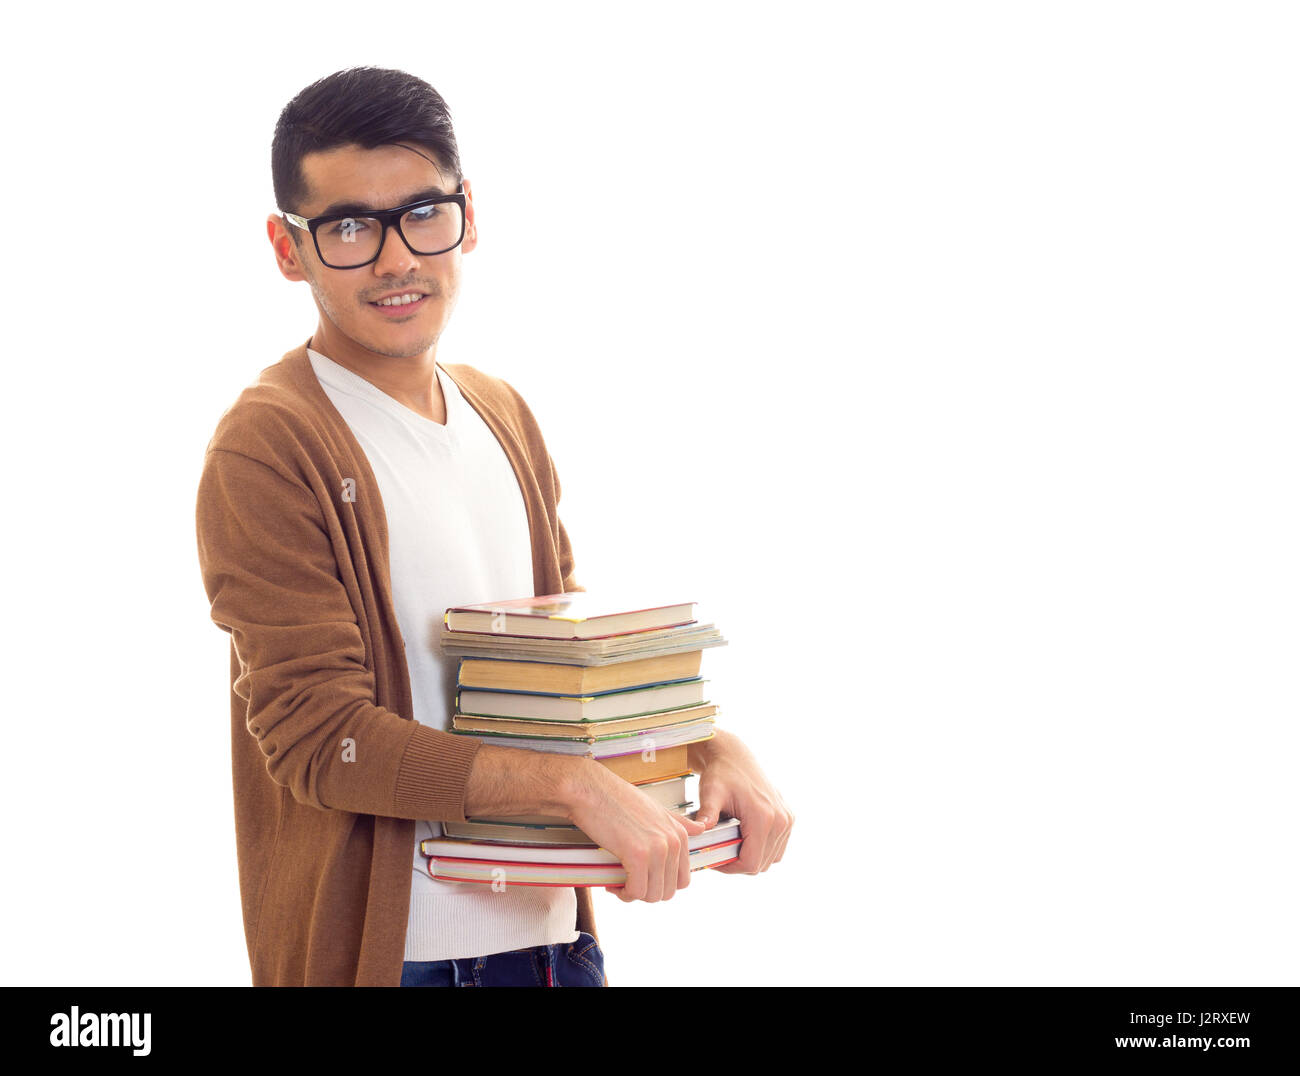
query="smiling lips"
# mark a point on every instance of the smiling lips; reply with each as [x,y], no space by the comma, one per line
[405,299]
[399,306]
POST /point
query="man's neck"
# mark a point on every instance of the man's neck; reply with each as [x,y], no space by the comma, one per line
[412,382]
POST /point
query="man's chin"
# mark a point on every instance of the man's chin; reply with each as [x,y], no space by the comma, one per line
[404,351]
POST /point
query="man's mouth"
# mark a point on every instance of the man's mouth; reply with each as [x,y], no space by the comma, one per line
[406,298]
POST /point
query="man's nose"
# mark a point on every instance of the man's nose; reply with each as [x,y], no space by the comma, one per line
[395,257]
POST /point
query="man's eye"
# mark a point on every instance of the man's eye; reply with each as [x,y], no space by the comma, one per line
[425,213]
[347,226]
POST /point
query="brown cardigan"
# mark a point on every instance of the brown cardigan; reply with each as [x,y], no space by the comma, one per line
[293,546]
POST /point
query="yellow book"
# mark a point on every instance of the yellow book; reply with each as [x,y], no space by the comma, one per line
[547,678]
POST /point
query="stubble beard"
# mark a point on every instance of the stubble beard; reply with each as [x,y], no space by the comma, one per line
[410,351]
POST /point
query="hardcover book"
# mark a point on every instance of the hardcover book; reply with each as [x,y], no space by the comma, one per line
[578,615]
[550,678]
[488,872]
[586,652]
[582,730]
[458,860]
[647,742]
[632,702]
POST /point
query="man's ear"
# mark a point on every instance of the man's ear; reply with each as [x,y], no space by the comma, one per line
[471,231]
[286,250]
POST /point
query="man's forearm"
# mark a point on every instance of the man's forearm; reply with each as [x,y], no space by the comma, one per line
[507,781]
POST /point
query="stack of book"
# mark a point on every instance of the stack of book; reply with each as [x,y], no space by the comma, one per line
[571,674]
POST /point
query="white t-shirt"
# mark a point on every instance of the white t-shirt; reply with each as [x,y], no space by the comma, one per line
[457,535]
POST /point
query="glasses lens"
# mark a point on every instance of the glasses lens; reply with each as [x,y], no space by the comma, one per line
[432,229]
[348,242]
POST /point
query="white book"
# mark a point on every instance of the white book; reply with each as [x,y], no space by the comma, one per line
[634,743]
[564,874]
[458,848]
[633,702]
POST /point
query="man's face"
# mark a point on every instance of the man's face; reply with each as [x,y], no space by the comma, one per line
[380,178]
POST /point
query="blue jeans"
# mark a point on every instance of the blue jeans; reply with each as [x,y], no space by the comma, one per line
[578,963]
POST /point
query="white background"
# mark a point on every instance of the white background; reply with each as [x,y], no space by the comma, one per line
[946,351]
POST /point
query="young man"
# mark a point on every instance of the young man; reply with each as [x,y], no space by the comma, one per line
[352,493]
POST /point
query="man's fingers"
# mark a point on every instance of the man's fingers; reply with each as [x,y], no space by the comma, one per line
[654,870]
[690,824]
[781,826]
[634,888]
[711,809]
[749,852]
[785,837]
[775,831]
[657,858]
[677,867]
[755,848]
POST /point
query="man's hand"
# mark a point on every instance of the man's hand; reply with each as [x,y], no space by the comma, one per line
[731,783]
[650,841]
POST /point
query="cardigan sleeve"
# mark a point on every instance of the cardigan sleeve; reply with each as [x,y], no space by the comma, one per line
[270,571]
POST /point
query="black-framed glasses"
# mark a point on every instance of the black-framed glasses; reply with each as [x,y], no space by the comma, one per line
[348,240]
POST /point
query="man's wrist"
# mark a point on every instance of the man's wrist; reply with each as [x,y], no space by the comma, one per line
[576,784]
[700,754]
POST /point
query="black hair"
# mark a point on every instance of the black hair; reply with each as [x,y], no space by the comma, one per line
[363,106]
